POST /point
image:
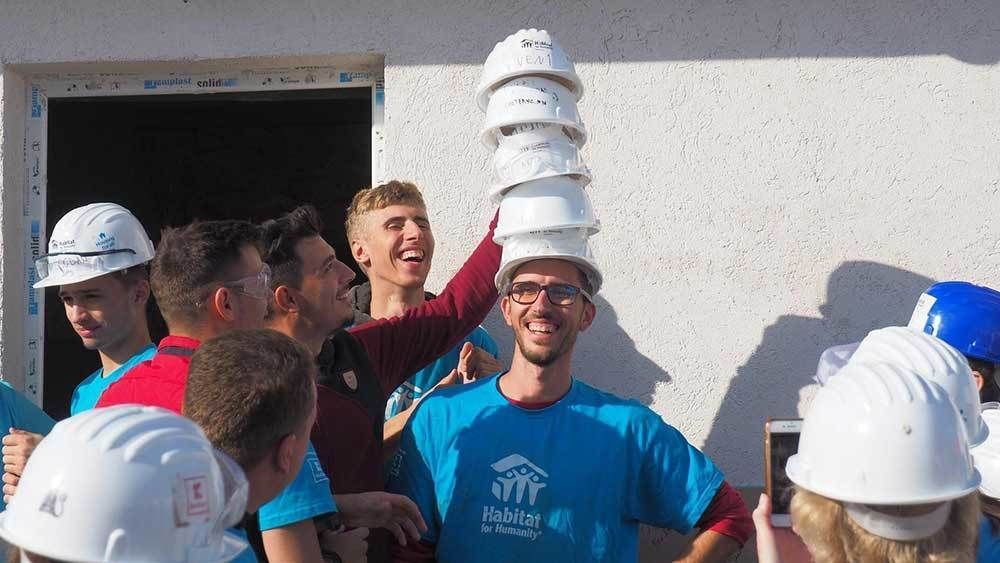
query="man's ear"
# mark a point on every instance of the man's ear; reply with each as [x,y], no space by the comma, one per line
[140,292]
[505,309]
[222,304]
[980,382]
[284,299]
[360,253]
[285,454]
[587,318]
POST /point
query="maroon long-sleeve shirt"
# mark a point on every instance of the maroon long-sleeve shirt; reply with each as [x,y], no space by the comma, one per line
[360,367]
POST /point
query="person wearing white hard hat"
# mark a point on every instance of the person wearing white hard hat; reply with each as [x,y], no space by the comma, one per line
[127,484]
[987,459]
[97,256]
[932,359]
[535,465]
[883,473]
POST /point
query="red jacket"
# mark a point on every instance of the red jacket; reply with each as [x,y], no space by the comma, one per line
[157,382]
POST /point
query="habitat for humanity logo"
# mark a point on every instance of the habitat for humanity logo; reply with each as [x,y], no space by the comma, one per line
[105,242]
[518,481]
[165,83]
[535,44]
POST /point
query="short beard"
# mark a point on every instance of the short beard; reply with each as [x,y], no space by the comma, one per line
[547,356]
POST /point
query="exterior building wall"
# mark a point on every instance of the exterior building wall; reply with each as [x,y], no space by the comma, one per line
[772,178]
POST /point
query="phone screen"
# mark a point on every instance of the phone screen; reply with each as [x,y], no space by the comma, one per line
[783,446]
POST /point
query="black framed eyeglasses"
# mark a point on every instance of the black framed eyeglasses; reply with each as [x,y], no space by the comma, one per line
[559,294]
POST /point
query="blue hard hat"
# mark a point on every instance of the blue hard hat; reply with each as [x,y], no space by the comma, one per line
[965,315]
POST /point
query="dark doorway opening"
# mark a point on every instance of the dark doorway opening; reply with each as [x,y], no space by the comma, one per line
[172,159]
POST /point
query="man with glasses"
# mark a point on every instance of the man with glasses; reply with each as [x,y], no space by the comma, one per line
[535,465]
[97,257]
[209,279]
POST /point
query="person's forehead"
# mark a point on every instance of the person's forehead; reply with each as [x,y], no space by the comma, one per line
[105,282]
[314,251]
[549,270]
[399,210]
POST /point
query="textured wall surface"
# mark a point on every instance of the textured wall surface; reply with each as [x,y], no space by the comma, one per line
[773,177]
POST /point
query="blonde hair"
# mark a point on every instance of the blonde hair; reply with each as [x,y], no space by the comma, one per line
[395,192]
[832,537]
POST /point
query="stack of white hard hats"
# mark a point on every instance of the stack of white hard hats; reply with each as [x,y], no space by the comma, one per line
[529,91]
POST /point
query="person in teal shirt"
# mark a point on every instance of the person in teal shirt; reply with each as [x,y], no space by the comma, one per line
[97,257]
[16,411]
[87,393]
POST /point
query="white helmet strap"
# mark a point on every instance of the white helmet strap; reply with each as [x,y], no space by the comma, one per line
[899,528]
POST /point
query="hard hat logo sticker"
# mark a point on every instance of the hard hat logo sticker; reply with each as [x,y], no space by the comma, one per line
[197,497]
[54,503]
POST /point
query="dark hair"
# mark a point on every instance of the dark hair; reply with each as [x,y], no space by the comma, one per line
[991,389]
[189,258]
[248,389]
[279,238]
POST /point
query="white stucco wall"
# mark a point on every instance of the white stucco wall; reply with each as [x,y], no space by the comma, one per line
[772,178]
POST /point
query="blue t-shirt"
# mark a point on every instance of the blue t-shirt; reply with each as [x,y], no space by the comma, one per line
[989,543]
[18,412]
[247,555]
[89,391]
[422,381]
[570,482]
[305,498]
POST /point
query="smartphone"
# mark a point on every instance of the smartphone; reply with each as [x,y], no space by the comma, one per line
[781,441]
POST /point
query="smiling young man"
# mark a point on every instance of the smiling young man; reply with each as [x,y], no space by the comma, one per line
[360,367]
[392,241]
[97,256]
[535,465]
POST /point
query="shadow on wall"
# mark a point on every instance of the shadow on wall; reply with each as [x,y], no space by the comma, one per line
[860,297]
[632,374]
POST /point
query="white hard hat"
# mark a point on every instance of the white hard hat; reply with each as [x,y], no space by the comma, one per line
[832,360]
[127,483]
[529,51]
[532,99]
[547,204]
[91,241]
[931,358]
[530,151]
[880,434]
[987,455]
[570,245]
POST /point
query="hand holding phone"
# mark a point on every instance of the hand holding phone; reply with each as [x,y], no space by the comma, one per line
[781,441]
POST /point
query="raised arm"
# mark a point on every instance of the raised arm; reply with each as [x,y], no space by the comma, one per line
[399,346]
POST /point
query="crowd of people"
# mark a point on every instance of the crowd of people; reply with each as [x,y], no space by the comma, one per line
[290,417]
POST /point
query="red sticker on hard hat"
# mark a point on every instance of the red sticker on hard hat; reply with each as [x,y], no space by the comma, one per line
[196,493]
